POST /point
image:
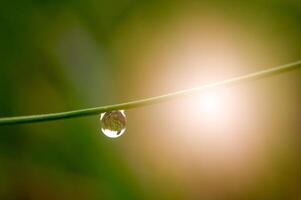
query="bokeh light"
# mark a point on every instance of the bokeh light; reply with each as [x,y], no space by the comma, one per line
[240,142]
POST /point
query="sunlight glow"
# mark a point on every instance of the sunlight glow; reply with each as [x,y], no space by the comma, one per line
[211,103]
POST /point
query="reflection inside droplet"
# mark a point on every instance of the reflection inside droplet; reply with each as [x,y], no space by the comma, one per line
[113,123]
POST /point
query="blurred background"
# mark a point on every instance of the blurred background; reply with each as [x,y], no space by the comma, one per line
[241,142]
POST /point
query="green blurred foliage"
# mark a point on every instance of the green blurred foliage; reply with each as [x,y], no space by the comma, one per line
[63,55]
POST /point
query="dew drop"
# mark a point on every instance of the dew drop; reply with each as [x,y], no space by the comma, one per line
[113,123]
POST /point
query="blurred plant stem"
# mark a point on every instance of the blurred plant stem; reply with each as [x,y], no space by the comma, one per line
[151,100]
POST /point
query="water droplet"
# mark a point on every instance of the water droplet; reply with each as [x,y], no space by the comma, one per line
[113,123]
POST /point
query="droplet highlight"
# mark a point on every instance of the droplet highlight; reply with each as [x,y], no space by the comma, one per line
[113,123]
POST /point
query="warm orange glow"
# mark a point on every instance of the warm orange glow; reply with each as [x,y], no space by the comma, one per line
[217,134]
